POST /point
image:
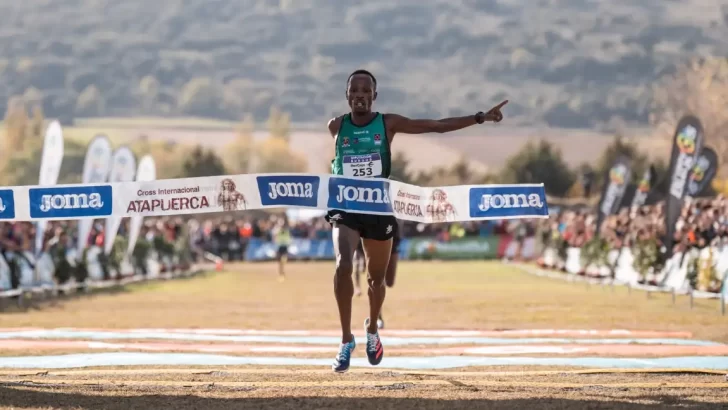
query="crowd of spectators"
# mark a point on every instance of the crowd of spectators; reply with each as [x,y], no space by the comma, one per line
[228,235]
[20,236]
[702,222]
[701,225]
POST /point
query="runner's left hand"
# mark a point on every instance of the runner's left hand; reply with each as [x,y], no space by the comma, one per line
[494,113]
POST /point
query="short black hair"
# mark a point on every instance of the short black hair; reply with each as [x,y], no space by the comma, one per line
[365,72]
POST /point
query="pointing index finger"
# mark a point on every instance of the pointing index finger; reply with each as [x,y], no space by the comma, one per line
[497,107]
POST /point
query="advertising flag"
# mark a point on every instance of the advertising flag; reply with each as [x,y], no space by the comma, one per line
[50,167]
[123,169]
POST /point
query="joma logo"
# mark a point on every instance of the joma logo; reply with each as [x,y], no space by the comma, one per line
[361,194]
[71,201]
[510,201]
[289,189]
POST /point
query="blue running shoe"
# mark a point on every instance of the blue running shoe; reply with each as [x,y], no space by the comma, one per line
[343,359]
[375,350]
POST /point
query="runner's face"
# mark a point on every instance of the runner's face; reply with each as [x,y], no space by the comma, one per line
[361,94]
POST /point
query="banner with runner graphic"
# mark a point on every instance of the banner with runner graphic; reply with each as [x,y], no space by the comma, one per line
[260,191]
[96,167]
[703,172]
[50,167]
[687,145]
[617,179]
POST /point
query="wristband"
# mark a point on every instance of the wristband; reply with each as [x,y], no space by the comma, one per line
[480,117]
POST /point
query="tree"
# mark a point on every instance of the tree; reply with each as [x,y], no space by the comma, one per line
[198,97]
[149,92]
[400,171]
[202,163]
[36,124]
[33,96]
[239,153]
[238,96]
[587,179]
[142,145]
[21,130]
[90,102]
[700,88]
[166,156]
[274,155]
[279,124]
[16,121]
[24,168]
[576,190]
[460,173]
[539,163]
[620,147]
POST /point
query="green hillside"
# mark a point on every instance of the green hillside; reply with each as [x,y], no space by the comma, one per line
[562,63]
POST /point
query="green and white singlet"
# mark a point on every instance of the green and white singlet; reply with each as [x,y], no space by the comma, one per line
[362,151]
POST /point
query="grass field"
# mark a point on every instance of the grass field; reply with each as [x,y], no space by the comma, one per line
[483,296]
[427,295]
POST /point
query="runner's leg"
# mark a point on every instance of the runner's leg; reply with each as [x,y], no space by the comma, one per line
[282,259]
[391,273]
[377,253]
[345,242]
[377,259]
[391,269]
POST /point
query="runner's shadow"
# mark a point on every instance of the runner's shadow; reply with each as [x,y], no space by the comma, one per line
[188,398]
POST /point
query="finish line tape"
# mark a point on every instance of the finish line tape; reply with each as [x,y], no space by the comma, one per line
[261,191]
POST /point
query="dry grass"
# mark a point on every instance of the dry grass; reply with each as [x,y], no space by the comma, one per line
[434,295]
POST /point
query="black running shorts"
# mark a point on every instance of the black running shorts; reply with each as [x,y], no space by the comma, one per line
[376,227]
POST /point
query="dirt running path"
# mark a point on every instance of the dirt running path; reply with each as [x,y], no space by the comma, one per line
[303,389]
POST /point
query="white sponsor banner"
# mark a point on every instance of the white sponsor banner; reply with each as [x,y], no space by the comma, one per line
[123,169]
[50,167]
[147,171]
[260,191]
[96,167]
[429,205]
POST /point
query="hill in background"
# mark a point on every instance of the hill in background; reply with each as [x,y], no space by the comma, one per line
[562,63]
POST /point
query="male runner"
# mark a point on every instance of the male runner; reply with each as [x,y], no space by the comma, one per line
[362,133]
[282,237]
